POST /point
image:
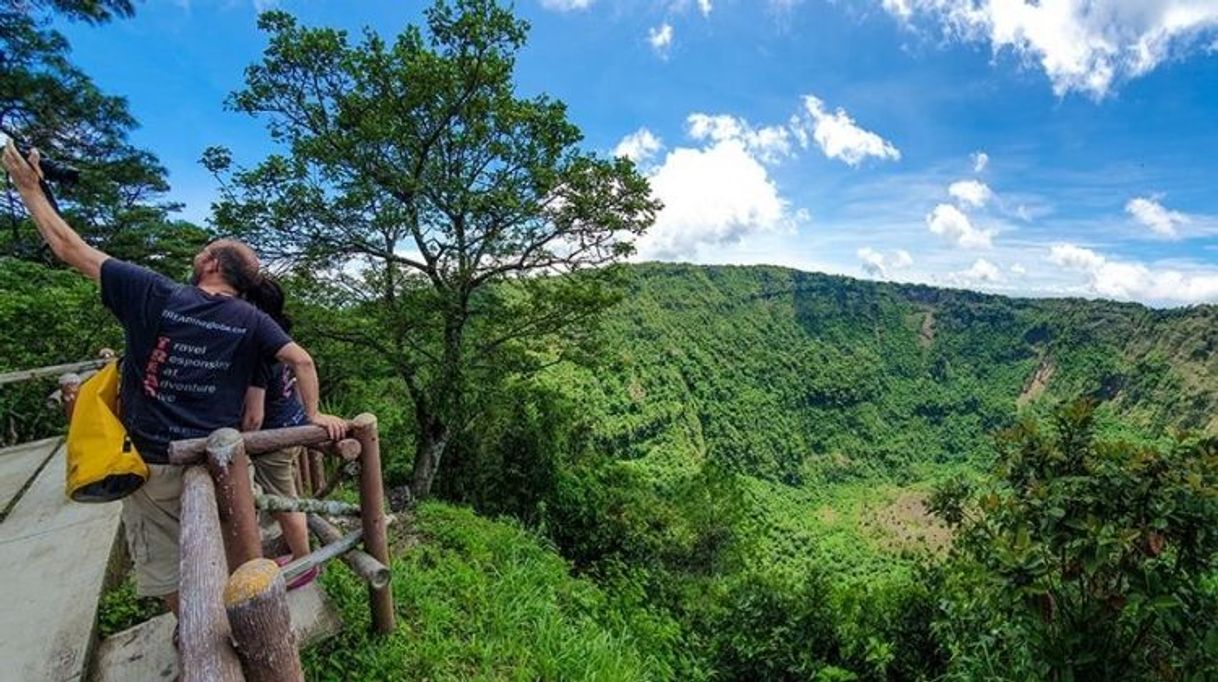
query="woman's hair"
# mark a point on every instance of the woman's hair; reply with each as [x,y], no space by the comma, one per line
[267,296]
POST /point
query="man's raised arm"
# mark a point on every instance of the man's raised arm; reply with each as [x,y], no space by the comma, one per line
[65,243]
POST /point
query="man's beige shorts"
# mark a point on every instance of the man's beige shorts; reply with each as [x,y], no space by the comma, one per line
[151,519]
[273,471]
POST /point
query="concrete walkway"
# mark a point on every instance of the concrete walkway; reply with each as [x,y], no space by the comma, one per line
[54,555]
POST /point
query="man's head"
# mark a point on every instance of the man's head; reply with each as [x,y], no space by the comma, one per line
[226,262]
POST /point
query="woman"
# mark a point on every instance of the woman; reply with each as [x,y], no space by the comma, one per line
[273,403]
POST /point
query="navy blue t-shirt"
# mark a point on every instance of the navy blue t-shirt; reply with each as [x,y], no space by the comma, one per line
[190,356]
[282,406]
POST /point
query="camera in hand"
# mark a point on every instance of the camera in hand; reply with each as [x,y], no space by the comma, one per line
[52,170]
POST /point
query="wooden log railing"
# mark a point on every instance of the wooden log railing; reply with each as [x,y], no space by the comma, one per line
[244,619]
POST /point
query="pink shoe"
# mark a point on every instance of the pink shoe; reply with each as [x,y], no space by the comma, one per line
[283,560]
[305,578]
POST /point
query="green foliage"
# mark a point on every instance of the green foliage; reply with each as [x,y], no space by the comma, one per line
[1084,559]
[434,203]
[49,317]
[47,102]
[121,609]
[92,11]
[484,600]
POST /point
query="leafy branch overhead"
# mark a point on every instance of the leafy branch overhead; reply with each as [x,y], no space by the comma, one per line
[415,181]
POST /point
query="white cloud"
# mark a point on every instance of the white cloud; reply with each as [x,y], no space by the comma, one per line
[980,161]
[1152,214]
[948,221]
[1075,257]
[982,271]
[769,143]
[566,5]
[704,6]
[1019,270]
[639,146]
[660,39]
[875,264]
[712,195]
[970,193]
[1136,281]
[1082,45]
[838,136]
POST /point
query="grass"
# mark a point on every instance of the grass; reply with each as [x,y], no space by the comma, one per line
[121,609]
[479,600]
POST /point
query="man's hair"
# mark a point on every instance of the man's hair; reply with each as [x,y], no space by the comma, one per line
[238,264]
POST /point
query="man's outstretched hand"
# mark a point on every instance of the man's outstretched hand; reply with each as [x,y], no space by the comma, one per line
[25,173]
[335,426]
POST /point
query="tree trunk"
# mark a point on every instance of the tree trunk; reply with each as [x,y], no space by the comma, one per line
[429,450]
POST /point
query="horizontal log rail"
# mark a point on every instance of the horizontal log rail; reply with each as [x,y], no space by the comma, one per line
[193,450]
[363,564]
[52,371]
[275,503]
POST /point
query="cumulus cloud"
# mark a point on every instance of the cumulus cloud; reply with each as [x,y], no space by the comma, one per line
[1082,45]
[566,5]
[639,146]
[660,39]
[704,6]
[980,161]
[970,193]
[1152,214]
[1135,281]
[1018,270]
[983,272]
[838,136]
[716,193]
[875,264]
[1075,257]
[769,143]
[948,221]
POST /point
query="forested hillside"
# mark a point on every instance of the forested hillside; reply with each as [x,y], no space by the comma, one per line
[797,377]
[744,462]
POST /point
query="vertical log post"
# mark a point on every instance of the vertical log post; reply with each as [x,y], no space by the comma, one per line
[306,476]
[372,515]
[256,600]
[230,469]
[203,636]
[317,472]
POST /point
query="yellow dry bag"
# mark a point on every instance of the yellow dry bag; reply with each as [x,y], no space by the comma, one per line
[103,465]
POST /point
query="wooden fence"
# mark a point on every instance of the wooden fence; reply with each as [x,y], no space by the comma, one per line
[233,617]
[233,603]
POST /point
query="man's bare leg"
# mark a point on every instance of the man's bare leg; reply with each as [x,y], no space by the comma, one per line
[295,532]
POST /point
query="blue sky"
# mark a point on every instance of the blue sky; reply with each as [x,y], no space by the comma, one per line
[1059,147]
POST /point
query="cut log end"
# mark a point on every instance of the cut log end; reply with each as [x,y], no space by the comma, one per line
[364,421]
[250,580]
[348,449]
[222,445]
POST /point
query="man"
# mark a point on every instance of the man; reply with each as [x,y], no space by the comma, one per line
[191,352]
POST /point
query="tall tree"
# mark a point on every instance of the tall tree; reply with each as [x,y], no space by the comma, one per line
[92,11]
[47,102]
[459,223]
